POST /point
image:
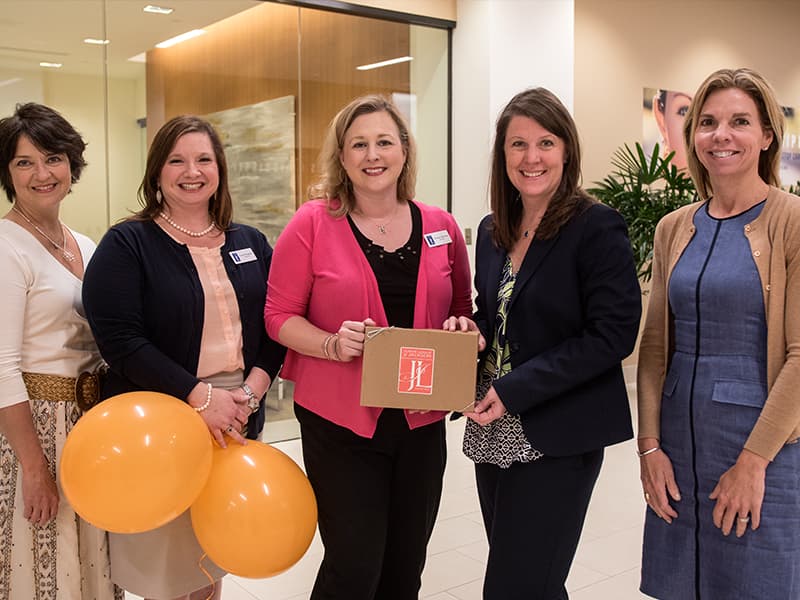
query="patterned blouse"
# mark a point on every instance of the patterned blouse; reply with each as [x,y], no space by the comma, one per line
[503,441]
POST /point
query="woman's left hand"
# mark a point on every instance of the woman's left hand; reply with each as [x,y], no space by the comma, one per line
[464,324]
[739,494]
[487,410]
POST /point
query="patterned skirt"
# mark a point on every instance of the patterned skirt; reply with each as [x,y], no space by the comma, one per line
[66,559]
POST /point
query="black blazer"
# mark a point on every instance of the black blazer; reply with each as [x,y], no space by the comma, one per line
[573,316]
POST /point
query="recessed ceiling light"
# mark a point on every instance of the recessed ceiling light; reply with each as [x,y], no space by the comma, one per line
[385,63]
[180,38]
[158,10]
[50,65]
[139,58]
[95,41]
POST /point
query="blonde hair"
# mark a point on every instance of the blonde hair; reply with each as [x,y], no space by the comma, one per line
[770,114]
[333,182]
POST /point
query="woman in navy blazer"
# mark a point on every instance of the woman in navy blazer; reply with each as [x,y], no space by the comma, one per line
[558,306]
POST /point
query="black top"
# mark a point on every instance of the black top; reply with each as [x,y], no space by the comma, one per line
[396,272]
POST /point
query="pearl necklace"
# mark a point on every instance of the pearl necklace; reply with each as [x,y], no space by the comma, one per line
[189,232]
[68,256]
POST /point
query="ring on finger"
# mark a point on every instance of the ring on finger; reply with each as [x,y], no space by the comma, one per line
[647,497]
[745,519]
[229,429]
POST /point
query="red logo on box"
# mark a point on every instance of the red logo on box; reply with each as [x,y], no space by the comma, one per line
[415,375]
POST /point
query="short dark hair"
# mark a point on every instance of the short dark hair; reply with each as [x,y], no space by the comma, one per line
[220,206]
[546,109]
[48,131]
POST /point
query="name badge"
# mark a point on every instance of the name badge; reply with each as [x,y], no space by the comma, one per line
[245,255]
[437,238]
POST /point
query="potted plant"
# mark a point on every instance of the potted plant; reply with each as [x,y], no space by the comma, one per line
[644,189]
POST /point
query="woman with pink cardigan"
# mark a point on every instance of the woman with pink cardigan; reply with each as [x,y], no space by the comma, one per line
[362,254]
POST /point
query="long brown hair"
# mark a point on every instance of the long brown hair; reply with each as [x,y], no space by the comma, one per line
[334,183]
[545,108]
[769,112]
[220,206]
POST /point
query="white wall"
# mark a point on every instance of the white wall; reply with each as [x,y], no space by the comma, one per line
[501,47]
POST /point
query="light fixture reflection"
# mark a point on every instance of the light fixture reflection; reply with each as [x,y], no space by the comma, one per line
[249,460]
[95,41]
[385,63]
[49,65]
[158,10]
[139,410]
[180,38]
[147,439]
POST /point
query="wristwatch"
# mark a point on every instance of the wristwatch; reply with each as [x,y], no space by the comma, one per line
[252,401]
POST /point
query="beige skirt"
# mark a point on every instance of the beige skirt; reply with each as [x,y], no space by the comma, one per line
[165,562]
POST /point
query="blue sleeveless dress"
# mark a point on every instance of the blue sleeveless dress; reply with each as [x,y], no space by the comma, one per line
[713,393]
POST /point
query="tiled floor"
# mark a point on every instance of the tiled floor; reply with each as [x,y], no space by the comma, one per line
[606,566]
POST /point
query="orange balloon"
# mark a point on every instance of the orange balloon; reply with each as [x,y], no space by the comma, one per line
[135,461]
[257,514]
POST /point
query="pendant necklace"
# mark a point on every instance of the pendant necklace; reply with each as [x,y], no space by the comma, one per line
[62,247]
[189,232]
[382,226]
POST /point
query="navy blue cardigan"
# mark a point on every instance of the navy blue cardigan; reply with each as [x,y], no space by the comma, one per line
[144,301]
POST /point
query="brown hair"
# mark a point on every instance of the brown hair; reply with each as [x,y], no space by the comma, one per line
[50,133]
[220,206]
[769,111]
[333,182]
[545,108]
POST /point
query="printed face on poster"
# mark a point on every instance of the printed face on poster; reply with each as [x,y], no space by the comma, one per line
[664,113]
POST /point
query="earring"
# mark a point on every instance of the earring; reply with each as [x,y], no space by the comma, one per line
[765,149]
[158,195]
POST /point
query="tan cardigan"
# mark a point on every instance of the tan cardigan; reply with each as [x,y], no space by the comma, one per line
[774,238]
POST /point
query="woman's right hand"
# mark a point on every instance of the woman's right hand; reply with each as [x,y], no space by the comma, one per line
[39,493]
[350,341]
[223,416]
[658,481]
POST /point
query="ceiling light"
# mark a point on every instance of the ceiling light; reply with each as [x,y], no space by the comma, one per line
[385,63]
[9,81]
[180,38]
[50,65]
[139,58]
[158,10]
[95,41]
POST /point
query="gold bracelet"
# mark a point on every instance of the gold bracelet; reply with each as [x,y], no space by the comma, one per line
[335,351]
[208,400]
[648,451]
[325,346]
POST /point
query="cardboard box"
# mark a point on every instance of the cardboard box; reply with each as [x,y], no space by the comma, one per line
[424,369]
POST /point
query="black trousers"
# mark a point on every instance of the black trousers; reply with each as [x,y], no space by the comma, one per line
[533,514]
[377,500]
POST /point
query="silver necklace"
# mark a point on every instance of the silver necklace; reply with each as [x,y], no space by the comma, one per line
[69,256]
[189,232]
[381,226]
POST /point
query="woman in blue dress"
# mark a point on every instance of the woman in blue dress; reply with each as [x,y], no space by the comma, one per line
[719,363]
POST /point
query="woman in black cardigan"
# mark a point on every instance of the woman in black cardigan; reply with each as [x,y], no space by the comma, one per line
[558,307]
[175,297]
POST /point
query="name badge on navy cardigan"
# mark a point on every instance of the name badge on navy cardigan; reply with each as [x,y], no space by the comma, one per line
[437,238]
[244,255]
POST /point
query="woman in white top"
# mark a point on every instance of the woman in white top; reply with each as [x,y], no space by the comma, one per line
[46,551]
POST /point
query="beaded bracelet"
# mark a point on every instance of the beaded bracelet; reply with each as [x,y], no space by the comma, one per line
[648,451]
[208,400]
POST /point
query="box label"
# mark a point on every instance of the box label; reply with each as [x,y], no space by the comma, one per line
[415,375]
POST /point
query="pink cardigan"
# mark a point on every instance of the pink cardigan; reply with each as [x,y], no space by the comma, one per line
[319,272]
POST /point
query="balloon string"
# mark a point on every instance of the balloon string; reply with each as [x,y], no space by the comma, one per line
[207,574]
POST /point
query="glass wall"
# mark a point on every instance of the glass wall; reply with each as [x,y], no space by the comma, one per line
[270,76]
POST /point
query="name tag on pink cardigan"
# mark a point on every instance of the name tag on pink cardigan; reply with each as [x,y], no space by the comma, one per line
[245,255]
[437,238]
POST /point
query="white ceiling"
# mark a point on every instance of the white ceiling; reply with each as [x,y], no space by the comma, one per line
[32,31]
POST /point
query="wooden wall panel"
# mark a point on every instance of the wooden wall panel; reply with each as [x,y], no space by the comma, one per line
[258,55]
